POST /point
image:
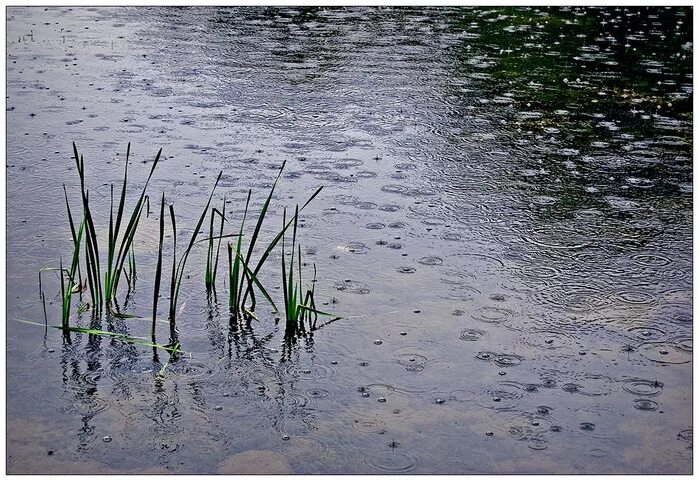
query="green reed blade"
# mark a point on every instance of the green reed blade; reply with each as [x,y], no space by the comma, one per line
[122,198]
[312,291]
[207,239]
[172,355]
[121,337]
[90,283]
[131,227]
[72,229]
[129,235]
[183,259]
[121,315]
[247,312]
[291,286]
[159,266]
[110,244]
[208,275]
[316,311]
[299,264]
[307,301]
[235,279]
[132,263]
[231,292]
[76,251]
[116,335]
[76,239]
[211,260]
[43,303]
[70,215]
[93,249]
[284,277]
[294,304]
[256,281]
[252,242]
[278,237]
[173,277]
[220,233]
[63,292]
[92,256]
[258,226]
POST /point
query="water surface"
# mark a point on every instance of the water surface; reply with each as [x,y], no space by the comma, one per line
[507,208]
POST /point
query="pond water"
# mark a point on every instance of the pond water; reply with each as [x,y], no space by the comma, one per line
[507,207]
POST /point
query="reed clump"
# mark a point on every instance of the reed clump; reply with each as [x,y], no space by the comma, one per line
[119,258]
[242,278]
[118,249]
[299,307]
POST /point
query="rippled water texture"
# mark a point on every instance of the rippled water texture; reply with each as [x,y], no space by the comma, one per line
[505,225]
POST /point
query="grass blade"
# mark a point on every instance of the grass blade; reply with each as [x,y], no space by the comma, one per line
[170,358]
[122,198]
[277,238]
[116,335]
[130,231]
[173,277]
[258,226]
[183,259]
[208,275]
[284,277]
[93,249]
[316,311]
[159,266]
[110,243]
[231,282]
[72,229]
[254,279]
[220,233]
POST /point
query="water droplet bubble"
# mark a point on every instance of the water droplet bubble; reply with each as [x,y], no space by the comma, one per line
[642,387]
[645,405]
[471,334]
[369,426]
[571,387]
[484,355]
[375,225]
[431,261]
[392,461]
